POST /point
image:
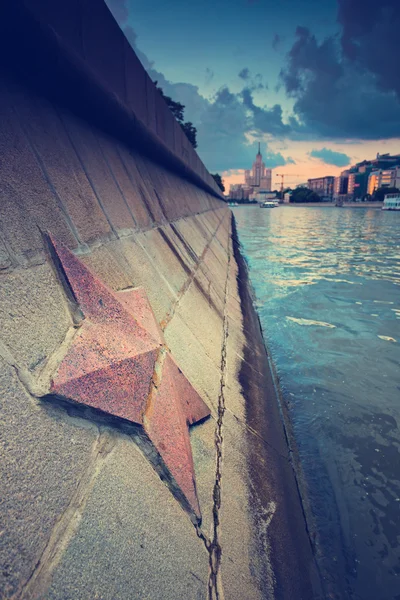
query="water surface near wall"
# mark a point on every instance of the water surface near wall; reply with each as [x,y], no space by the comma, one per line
[327,283]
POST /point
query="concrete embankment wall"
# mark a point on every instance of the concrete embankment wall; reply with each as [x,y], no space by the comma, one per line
[90,153]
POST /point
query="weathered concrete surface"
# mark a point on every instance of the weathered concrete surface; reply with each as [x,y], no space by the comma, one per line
[88,508]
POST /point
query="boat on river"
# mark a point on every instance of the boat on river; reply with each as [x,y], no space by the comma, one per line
[391,202]
[269,204]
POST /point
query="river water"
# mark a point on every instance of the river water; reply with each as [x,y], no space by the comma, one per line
[327,287]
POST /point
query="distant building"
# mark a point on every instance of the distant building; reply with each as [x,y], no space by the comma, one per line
[373,182]
[369,175]
[358,183]
[396,177]
[259,176]
[238,191]
[256,180]
[323,186]
[286,197]
[381,178]
[340,184]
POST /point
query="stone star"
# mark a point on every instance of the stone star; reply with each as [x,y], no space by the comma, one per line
[118,362]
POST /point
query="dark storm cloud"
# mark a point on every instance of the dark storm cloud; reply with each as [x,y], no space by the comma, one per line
[224,121]
[330,157]
[265,120]
[335,96]
[253,82]
[371,38]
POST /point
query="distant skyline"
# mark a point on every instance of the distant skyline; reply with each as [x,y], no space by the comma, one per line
[314,82]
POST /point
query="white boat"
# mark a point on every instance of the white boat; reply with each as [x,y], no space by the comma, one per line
[391,202]
[268,204]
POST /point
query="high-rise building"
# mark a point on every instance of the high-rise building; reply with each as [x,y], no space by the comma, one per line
[373,182]
[396,178]
[340,184]
[259,176]
[381,178]
[258,179]
[367,176]
[323,186]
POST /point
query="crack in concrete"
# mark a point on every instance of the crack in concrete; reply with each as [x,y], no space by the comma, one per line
[212,544]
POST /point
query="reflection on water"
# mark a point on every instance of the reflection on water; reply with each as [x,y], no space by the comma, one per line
[327,287]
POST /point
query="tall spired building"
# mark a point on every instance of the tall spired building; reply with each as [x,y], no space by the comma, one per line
[258,177]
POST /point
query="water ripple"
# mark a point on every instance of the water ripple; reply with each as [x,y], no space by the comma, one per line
[335,273]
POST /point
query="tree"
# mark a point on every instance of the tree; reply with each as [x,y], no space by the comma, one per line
[303,194]
[380,193]
[178,111]
[218,181]
[191,132]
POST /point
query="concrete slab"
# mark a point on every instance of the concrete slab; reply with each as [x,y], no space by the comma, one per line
[207,326]
[194,238]
[33,314]
[44,455]
[135,82]
[106,267]
[165,258]
[5,259]
[106,60]
[139,200]
[134,540]
[239,555]
[133,258]
[189,354]
[202,441]
[212,290]
[27,204]
[105,188]
[61,165]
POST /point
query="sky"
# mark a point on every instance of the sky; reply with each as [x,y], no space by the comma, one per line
[316,82]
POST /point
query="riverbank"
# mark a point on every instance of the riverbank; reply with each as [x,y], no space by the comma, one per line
[376,205]
[278,514]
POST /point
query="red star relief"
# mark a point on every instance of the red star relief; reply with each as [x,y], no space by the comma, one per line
[118,362]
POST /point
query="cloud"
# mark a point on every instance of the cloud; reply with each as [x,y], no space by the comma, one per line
[244,73]
[370,38]
[224,122]
[253,82]
[265,120]
[334,97]
[131,36]
[119,9]
[330,157]
[275,159]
